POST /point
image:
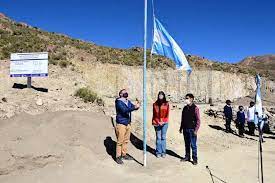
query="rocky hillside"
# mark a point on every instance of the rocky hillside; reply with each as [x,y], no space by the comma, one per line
[264,64]
[21,37]
[84,64]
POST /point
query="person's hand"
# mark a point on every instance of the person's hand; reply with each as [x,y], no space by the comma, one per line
[195,133]
[137,106]
[161,123]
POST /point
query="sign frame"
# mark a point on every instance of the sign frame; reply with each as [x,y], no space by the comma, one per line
[36,64]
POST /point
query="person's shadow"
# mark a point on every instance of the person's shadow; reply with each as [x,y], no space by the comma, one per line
[110,145]
[138,143]
[216,127]
[23,86]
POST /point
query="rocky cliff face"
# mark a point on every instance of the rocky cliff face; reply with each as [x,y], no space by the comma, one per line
[108,79]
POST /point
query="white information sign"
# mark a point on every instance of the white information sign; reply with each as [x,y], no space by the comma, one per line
[29,64]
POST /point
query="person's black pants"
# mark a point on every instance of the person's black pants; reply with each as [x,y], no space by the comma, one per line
[251,128]
[228,124]
[241,128]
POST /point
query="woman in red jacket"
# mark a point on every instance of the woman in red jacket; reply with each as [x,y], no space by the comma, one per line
[160,123]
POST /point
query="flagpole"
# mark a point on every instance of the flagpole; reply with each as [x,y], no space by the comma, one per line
[258,119]
[144,87]
[261,155]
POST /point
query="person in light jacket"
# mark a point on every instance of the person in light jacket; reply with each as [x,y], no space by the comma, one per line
[251,118]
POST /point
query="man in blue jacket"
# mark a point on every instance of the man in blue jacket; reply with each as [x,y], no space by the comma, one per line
[124,107]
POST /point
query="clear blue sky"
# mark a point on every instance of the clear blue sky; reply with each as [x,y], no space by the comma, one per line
[224,30]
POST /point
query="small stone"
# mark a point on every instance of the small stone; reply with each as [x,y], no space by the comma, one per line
[4,99]
[39,102]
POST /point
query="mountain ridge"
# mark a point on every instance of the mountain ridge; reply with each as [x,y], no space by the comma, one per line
[21,37]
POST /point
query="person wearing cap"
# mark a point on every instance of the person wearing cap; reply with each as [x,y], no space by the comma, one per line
[124,107]
[228,115]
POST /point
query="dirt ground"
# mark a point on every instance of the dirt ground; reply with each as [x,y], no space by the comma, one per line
[73,146]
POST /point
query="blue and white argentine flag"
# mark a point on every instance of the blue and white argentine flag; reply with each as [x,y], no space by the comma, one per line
[165,45]
[258,99]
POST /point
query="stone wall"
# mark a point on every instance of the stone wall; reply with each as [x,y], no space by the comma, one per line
[108,79]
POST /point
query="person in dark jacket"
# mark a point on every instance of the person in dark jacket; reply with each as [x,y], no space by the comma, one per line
[160,122]
[124,107]
[241,120]
[190,124]
[228,115]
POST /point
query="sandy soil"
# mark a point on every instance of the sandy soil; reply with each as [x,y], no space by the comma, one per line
[55,93]
[61,140]
[72,146]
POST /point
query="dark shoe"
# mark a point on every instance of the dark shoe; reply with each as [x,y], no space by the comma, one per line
[127,157]
[195,162]
[119,161]
[185,159]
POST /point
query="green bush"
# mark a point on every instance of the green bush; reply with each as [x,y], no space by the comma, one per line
[217,66]
[89,96]
[63,64]
[53,62]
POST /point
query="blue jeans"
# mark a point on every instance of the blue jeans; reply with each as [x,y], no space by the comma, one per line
[190,140]
[161,139]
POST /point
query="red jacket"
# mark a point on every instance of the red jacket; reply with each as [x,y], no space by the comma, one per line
[160,113]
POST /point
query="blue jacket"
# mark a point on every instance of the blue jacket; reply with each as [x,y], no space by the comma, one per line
[228,112]
[123,112]
[240,117]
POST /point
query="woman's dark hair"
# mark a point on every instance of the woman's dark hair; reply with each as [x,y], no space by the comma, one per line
[160,102]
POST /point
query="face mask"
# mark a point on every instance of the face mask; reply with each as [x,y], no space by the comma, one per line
[125,95]
[188,101]
[161,97]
